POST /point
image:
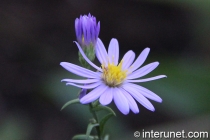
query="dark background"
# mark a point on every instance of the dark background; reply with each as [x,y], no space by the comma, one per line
[36,35]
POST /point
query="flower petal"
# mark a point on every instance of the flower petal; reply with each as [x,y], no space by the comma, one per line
[113,51]
[85,57]
[132,103]
[128,59]
[94,94]
[106,97]
[140,60]
[143,71]
[79,70]
[147,79]
[82,93]
[101,52]
[139,97]
[86,86]
[120,101]
[147,93]
[86,81]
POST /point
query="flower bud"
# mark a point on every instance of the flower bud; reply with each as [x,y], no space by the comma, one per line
[87,31]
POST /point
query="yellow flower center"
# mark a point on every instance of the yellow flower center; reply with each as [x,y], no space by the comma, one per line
[113,75]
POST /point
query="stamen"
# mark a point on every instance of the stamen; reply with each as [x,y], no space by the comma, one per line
[113,75]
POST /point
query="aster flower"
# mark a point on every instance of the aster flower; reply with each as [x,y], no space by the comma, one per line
[87,30]
[115,80]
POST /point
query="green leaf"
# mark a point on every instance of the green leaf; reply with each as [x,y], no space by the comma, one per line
[82,137]
[104,120]
[90,127]
[74,101]
[100,107]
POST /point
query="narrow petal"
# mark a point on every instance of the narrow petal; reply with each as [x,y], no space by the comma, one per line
[82,93]
[120,101]
[139,97]
[106,97]
[147,79]
[140,60]
[101,52]
[94,94]
[132,103]
[128,59]
[77,29]
[79,70]
[143,71]
[147,93]
[86,81]
[86,86]
[85,57]
[113,51]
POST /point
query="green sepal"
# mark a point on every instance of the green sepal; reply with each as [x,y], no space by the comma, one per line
[90,53]
[103,122]
[90,127]
[96,103]
[100,107]
[74,101]
[106,137]
[82,137]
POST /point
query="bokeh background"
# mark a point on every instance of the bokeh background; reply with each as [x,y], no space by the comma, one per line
[36,35]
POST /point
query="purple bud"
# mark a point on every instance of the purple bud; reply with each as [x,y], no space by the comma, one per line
[87,30]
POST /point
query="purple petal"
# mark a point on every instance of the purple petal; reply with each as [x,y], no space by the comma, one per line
[147,79]
[101,52]
[143,71]
[147,93]
[106,97]
[79,70]
[94,94]
[85,57]
[86,86]
[132,103]
[84,25]
[120,101]
[76,26]
[139,97]
[113,51]
[82,93]
[128,59]
[86,81]
[97,30]
[140,60]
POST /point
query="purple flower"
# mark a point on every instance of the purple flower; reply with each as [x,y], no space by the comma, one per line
[87,30]
[115,80]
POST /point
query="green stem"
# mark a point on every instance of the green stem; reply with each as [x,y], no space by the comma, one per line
[97,121]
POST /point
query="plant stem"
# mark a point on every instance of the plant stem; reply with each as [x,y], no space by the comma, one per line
[97,121]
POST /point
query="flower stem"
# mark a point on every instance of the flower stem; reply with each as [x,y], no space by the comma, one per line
[97,121]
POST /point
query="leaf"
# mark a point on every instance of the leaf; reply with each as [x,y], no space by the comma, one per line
[89,128]
[100,107]
[82,137]
[74,101]
[104,120]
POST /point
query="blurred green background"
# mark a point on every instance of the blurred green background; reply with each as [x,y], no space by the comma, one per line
[36,35]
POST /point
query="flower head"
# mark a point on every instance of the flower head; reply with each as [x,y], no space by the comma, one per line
[87,30]
[115,80]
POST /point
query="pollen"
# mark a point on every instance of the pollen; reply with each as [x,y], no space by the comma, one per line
[113,75]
